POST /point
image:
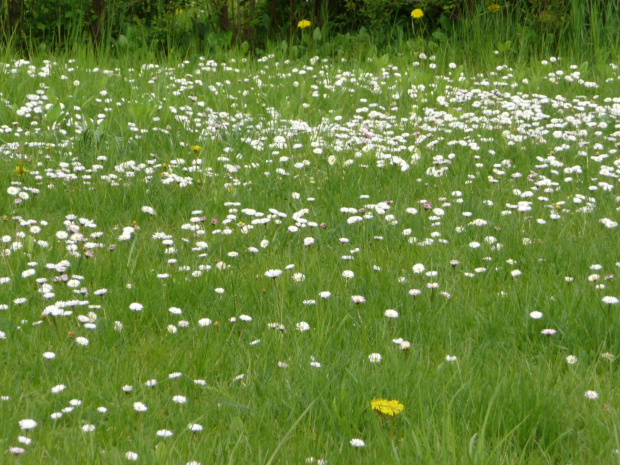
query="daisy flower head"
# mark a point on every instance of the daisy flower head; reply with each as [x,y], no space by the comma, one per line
[592,395]
[139,407]
[610,300]
[375,358]
[418,268]
[194,427]
[273,274]
[58,388]
[136,307]
[27,424]
[28,273]
[358,299]
[536,315]
[15,450]
[302,326]
[357,443]
[390,313]
[348,274]
[299,277]
[571,360]
[548,332]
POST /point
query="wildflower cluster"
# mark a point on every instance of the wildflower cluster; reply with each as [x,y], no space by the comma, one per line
[181,244]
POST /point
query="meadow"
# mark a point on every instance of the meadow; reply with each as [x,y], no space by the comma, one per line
[388,260]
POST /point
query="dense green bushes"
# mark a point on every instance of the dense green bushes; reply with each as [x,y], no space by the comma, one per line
[545,26]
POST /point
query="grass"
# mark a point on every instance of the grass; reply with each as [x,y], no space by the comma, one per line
[216,147]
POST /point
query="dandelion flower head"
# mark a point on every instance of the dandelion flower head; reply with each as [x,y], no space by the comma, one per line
[390,408]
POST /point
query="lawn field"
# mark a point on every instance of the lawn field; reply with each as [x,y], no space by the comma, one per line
[395,260]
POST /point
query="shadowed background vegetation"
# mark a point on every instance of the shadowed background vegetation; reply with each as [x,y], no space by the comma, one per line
[584,29]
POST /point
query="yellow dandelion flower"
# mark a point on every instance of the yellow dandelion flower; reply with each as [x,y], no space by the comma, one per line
[389,408]
[21,170]
[303,24]
[417,13]
[493,8]
[196,148]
